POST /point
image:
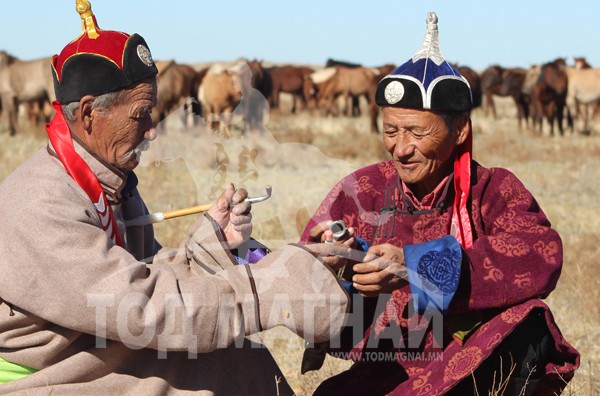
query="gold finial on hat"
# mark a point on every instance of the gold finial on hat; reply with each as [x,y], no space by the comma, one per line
[88,22]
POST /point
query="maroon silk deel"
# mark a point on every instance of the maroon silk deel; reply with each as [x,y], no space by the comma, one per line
[514,260]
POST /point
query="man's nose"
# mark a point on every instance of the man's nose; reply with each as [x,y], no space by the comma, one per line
[150,134]
[404,147]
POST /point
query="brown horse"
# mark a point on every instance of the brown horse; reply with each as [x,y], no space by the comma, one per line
[581,63]
[177,85]
[313,84]
[340,63]
[491,81]
[224,86]
[512,85]
[289,79]
[550,95]
[373,108]
[349,83]
[22,82]
[496,80]
[474,82]
[261,78]
[218,97]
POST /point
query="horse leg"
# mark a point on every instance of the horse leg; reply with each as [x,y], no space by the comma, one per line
[274,99]
[540,113]
[586,122]
[347,104]
[294,104]
[303,101]
[570,124]
[550,111]
[356,106]
[522,111]
[12,109]
[374,112]
[559,119]
[525,110]
[211,118]
[596,110]
[490,105]
[519,106]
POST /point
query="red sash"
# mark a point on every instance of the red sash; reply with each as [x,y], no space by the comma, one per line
[76,167]
[461,224]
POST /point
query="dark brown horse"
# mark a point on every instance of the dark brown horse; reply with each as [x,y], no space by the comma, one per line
[261,78]
[512,85]
[550,95]
[335,62]
[474,82]
[289,79]
[496,80]
[491,81]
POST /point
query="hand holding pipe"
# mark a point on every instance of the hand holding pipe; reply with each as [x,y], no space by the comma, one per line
[161,216]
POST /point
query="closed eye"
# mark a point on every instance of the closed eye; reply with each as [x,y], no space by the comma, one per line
[143,112]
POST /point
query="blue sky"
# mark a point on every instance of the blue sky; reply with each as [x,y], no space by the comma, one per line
[476,33]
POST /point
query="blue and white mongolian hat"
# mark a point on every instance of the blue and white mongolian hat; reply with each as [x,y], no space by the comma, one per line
[426,81]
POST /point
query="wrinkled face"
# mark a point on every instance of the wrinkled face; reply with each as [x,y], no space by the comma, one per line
[123,130]
[421,146]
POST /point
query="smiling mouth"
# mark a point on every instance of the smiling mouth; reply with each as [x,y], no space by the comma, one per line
[407,167]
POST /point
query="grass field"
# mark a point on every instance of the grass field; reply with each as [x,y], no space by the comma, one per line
[303,155]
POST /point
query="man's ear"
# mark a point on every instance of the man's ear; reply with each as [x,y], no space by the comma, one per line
[463,128]
[85,114]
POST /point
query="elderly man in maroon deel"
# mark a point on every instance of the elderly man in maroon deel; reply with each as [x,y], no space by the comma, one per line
[89,305]
[452,303]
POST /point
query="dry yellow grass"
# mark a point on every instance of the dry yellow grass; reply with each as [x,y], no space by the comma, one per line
[304,155]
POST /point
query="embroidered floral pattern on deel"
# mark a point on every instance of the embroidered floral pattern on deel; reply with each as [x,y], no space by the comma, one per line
[549,251]
[513,192]
[431,227]
[463,363]
[494,273]
[388,169]
[509,245]
[440,269]
[526,283]
[494,340]
[514,314]
[421,384]
[364,184]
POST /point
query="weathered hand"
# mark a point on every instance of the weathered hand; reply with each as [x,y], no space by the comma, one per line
[334,255]
[233,215]
[383,270]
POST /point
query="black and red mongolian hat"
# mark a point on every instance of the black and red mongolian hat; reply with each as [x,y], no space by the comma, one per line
[99,61]
[426,81]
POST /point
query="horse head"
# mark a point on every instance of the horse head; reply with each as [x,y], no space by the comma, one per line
[6,58]
[581,63]
[554,76]
[258,73]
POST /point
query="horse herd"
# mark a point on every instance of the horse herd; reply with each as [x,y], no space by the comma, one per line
[548,91]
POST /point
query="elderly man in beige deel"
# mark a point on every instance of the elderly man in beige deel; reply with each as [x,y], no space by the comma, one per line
[89,306]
